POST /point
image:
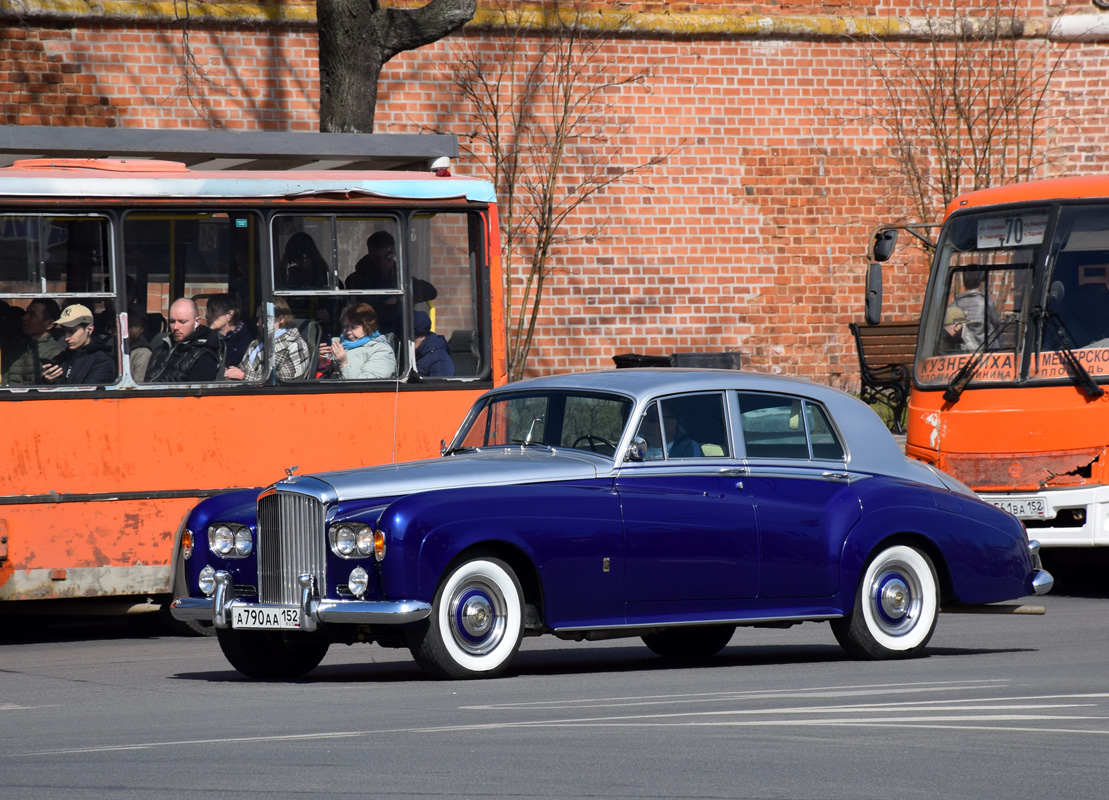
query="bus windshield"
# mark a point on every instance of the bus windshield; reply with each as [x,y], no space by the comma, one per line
[1018,296]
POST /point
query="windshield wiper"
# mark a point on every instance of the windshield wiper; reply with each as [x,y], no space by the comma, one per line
[961,378]
[1078,372]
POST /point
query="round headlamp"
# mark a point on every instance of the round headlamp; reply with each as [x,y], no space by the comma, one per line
[345,540]
[351,539]
[229,540]
[221,539]
[244,542]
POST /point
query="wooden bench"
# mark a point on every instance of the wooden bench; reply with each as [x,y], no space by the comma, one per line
[886,364]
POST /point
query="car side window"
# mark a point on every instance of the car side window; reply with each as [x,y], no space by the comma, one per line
[686,426]
[775,426]
[772,426]
[823,438]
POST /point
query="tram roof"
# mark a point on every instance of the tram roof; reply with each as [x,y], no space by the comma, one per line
[40,161]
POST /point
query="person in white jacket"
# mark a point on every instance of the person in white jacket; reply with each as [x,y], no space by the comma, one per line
[363,352]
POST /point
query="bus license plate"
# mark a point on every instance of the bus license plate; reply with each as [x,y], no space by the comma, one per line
[266,619]
[1023,507]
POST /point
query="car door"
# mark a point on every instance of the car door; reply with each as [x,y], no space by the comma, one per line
[689,524]
[798,481]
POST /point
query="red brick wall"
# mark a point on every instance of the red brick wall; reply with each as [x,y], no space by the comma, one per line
[752,237]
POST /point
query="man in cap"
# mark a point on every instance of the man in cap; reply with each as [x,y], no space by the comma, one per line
[84,362]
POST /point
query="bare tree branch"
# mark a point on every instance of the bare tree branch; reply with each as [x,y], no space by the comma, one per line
[544,110]
[973,110]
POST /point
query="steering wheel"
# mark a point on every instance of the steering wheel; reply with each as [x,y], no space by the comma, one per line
[594,441]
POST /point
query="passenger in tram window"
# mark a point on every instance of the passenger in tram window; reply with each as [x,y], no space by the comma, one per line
[37,345]
[364,353]
[85,361]
[194,352]
[433,358]
[302,266]
[290,352]
[137,344]
[224,314]
[378,268]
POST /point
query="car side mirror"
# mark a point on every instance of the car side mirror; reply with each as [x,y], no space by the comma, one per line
[637,450]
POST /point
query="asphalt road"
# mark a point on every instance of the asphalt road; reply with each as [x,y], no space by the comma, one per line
[1001,707]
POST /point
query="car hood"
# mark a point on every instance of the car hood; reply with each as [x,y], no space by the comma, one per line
[485,468]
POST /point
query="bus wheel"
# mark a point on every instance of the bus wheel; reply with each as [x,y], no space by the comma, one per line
[476,622]
[690,644]
[271,655]
[896,606]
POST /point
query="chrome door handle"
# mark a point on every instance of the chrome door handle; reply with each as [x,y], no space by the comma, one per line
[733,472]
[836,476]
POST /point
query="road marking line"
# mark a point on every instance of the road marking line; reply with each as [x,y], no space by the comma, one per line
[935,711]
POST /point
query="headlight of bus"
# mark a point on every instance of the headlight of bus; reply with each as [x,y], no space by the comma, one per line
[351,540]
[229,540]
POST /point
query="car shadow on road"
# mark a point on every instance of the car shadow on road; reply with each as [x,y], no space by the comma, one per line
[593,660]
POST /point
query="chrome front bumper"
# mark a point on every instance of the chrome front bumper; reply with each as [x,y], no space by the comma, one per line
[1042,581]
[219,608]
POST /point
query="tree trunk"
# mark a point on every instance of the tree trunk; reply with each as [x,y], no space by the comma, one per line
[357,37]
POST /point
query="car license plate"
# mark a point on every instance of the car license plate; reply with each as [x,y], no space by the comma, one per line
[266,619]
[1023,507]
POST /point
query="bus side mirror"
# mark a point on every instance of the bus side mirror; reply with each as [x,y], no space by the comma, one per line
[884,242]
[873,294]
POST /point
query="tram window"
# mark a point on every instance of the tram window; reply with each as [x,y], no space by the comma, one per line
[193,254]
[425,270]
[49,262]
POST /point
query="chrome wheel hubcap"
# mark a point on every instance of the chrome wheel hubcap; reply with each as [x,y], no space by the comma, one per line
[896,596]
[477,617]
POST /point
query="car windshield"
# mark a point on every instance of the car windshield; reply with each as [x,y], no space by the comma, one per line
[588,421]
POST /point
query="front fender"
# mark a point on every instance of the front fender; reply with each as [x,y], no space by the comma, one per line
[237,506]
[565,531]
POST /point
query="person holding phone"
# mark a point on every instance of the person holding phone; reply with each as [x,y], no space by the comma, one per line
[363,353]
[290,351]
[84,362]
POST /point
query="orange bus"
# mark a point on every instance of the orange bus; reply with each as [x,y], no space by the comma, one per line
[98,477]
[1012,361]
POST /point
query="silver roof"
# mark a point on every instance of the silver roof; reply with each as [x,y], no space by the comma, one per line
[870,446]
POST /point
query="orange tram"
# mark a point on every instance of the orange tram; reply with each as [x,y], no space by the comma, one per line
[98,477]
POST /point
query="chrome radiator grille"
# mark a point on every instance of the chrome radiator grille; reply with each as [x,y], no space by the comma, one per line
[290,543]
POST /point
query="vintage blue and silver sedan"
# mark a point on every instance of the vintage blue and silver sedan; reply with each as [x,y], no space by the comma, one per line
[672,505]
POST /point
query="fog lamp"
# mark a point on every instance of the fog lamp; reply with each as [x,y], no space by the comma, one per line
[207,580]
[359,580]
